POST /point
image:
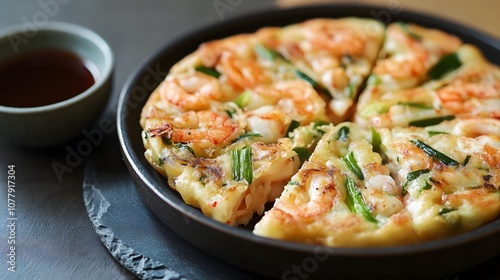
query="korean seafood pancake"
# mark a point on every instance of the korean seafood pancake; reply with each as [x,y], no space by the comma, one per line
[390,187]
[357,134]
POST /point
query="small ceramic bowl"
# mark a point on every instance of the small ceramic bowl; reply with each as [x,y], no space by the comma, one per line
[56,123]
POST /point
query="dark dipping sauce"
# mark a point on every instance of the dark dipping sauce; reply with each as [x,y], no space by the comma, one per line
[42,77]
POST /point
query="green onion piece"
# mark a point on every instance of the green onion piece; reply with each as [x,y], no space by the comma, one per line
[320,123]
[466,160]
[293,183]
[236,164]
[412,176]
[268,54]
[203,179]
[355,201]
[352,89]
[209,71]
[431,121]
[230,113]
[246,135]
[447,63]
[343,133]
[415,105]
[443,211]
[376,140]
[415,174]
[166,141]
[243,99]
[374,80]
[247,164]
[306,78]
[185,146]
[427,186]
[241,161]
[444,159]
[409,32]
[346,60]
[311,81]
[433,132]
[316,126]
[302,152]
[293,125]
[351,163]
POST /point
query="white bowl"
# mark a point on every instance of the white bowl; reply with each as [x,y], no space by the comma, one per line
[57,123]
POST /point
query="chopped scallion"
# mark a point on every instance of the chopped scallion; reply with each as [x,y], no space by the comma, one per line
[306,78]
[166,141]
[374,80]
[406,27]
[246,135]
[268,54]
[376,140]
[230,113]
[346,60]
[415,105]
[447,63]
[433,132]
[466,161]
[351,163]
[427,186]
[293,125]
[444,159]
[320,123]
[209,71]
[302,152]
[243,99]
[343,133]
[352,90]
[443,211]
[431,121]
[185,146]
[356,202]
[412,176]
[242,167]
[311,81]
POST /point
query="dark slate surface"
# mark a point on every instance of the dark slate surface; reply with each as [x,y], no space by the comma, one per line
[104,231]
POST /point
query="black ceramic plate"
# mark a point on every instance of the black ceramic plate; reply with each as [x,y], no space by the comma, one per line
[280,259]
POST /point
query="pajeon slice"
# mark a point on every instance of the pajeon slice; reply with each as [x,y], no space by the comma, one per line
[465,85]
[227,161]
[217,127]
[231,187]
[334,55]
[407,57]
[409,52]
[472,89]
[342,196]
[449,174]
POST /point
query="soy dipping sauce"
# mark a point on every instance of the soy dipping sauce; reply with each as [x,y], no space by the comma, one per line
[43,77]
